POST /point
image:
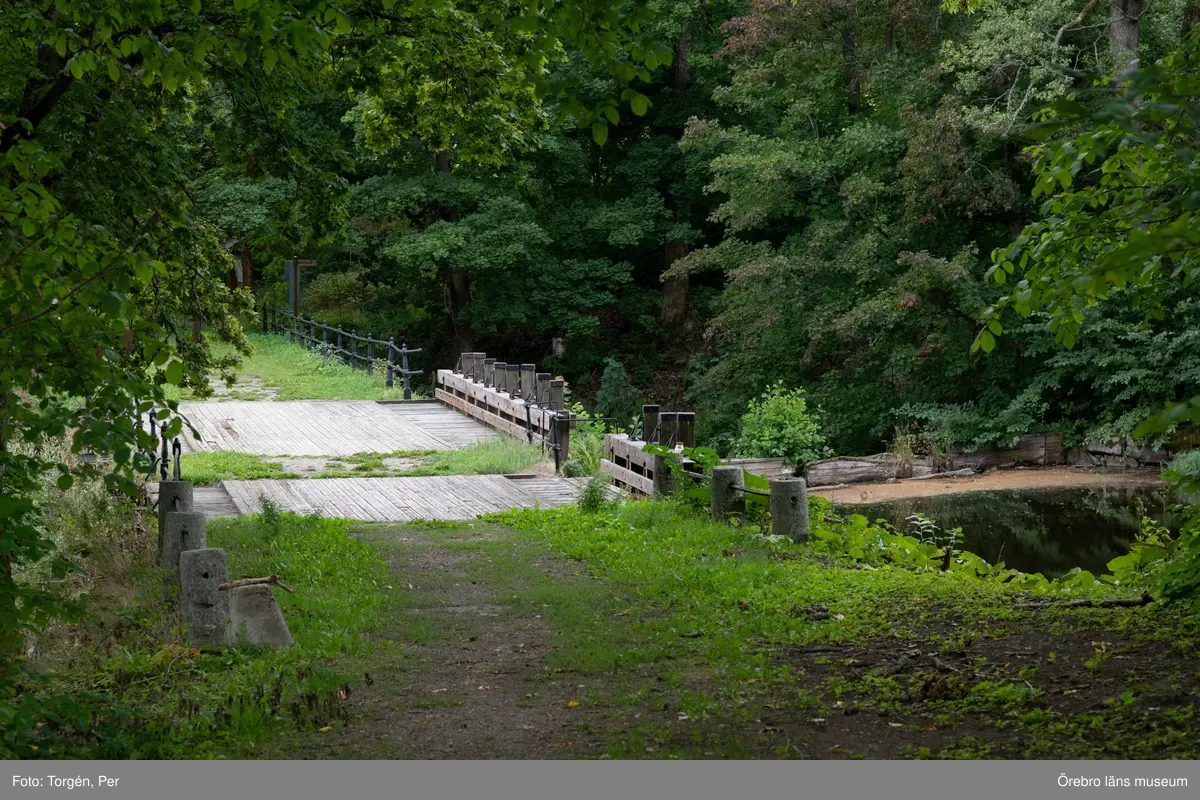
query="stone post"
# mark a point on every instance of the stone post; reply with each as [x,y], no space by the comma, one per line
[204,609]
[789,508]
[185,530]
[728,499]
[172,496]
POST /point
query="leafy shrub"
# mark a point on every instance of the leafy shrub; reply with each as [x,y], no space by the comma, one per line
[587,444]
[1184,471]
[595,498]
[340,296]
[779,423]
[1180,577]
[617,397]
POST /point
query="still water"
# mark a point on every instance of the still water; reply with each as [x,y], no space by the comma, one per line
[1048,531]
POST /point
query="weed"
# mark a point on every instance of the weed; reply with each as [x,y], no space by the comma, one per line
[595,495]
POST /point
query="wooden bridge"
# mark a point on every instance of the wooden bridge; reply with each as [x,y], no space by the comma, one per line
[480,399]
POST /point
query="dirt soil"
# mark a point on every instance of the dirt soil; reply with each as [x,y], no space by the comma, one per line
[995,480]
[467,669]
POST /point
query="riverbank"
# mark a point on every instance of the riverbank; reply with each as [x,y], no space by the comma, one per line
[1018,478]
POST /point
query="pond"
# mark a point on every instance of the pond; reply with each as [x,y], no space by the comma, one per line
[1049,531]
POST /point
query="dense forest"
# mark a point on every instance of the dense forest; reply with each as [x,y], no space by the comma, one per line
[834,227]
[807,193]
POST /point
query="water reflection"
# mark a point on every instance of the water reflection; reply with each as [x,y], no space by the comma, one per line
[1047,531]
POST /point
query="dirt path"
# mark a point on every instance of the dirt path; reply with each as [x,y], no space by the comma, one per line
[996,480]
[465,670]
[495,649]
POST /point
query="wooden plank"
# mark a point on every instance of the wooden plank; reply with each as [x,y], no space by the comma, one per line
[511,428]
[628,477]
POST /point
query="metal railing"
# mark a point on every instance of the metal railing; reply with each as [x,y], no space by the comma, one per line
[167,455]
[314,334]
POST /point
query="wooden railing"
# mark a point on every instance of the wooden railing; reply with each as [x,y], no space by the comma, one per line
[315,334]
[513,398]
[628,464]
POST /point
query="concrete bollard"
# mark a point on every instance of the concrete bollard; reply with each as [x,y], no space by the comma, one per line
[789,508]
[255,618]
[184,530]
[168,493]
[204,609]
[728,499]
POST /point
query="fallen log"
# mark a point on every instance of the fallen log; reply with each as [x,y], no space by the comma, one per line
[865,469]
[270,580]
[958,473]
[1112,602]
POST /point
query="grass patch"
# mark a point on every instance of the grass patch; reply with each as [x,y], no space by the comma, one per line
[209,468]
[881,657]
[503,456]
[301,374]
[492,457]
[120,682]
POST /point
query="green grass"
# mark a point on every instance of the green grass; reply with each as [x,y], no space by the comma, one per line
[688,590]
[503,456]
[301,374]
[117,691]
[1186,466]
[339,582]
[728,585]
[209,469]
[492,457]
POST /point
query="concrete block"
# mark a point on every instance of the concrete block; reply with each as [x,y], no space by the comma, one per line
[184,530]
[172,496]
[255,618]
[204,609]
[728,499]
[789,508]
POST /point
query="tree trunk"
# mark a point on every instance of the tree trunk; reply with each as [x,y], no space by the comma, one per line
[851,70]
[459,287]
[1123,31]
[1191,17]
[676,290]
[247,267]
[673,315]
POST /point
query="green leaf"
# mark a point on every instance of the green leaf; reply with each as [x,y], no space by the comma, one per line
[65,482]
[175,372]
[612,115]
[600,132]
[639,104]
